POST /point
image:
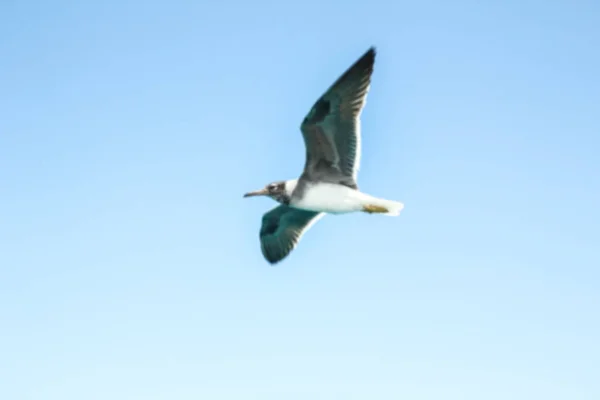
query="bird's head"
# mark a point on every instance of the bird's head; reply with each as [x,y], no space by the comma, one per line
[280,191]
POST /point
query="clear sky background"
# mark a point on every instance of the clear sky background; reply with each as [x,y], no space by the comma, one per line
[130,265]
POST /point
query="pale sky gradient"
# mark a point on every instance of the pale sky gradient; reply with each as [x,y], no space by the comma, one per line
[130,265]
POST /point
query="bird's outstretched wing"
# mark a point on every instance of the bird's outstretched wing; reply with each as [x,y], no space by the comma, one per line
[331,130]
[281,230]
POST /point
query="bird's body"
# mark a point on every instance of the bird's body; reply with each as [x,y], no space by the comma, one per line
[328,184]
[333,198]
[330,198]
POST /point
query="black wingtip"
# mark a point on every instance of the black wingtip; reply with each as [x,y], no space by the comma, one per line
[367,60]
[370,53]
[273,261]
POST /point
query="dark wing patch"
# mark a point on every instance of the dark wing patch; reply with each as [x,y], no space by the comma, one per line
[269,227]
[319,111]
[336,137]
[281,230]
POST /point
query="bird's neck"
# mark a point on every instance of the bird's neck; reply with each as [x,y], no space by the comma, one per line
[290,186]
[285,196]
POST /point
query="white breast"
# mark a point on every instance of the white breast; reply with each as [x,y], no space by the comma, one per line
[331,198]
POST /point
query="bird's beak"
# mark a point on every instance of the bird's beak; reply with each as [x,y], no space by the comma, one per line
[261,192]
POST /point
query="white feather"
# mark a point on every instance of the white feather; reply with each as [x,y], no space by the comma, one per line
[339,199]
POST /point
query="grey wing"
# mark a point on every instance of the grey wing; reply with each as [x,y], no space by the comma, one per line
[281,230]
[331,130]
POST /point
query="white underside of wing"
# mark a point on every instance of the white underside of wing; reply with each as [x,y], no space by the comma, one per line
[357,156]
[358,138]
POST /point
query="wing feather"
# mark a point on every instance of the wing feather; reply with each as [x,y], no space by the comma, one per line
[331,130]
[281,230]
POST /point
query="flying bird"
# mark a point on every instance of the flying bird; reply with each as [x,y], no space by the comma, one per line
[328,184]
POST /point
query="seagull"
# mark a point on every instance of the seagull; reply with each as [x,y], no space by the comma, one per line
[328,184]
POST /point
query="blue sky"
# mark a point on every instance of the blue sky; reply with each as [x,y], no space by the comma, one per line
[130,264]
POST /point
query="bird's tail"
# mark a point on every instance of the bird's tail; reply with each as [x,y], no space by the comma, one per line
[382,206]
